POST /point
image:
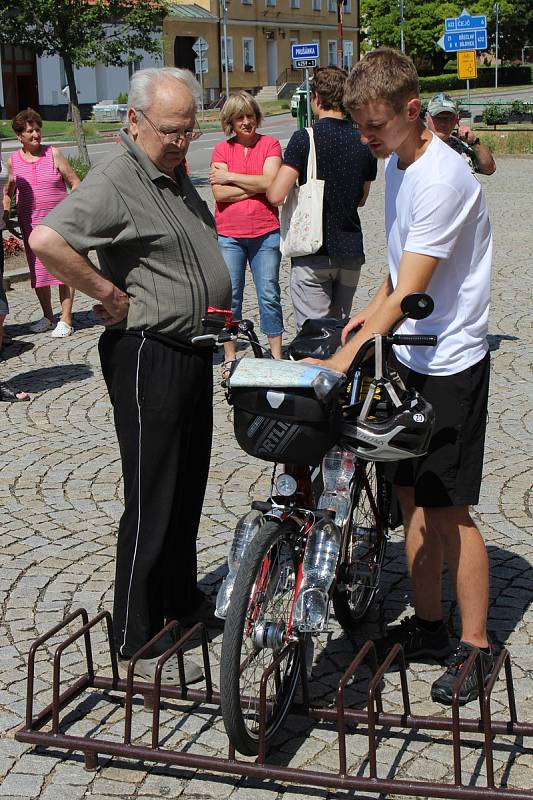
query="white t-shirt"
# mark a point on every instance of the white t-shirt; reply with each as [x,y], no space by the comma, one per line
[436,207]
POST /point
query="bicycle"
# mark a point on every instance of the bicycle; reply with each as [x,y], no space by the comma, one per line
[290,560]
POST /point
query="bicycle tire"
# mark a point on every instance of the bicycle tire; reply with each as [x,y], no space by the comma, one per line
[270,549]
[359,575]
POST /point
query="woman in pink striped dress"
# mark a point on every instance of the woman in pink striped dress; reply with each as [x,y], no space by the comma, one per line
[39,173]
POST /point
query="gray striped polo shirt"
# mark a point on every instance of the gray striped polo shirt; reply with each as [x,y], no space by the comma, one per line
[155,240]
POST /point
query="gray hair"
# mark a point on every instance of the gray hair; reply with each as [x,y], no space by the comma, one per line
[142,84]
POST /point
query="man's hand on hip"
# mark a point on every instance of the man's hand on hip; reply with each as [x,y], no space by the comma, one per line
[113,309]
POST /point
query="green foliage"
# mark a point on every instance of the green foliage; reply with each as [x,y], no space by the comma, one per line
[89,129]
[496,115]
[79,166]
[107,31]
[507,76]
[519,108]
[424,25]
[285,104]
[121,98]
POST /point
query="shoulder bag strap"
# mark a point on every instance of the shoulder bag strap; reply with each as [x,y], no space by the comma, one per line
[311,159]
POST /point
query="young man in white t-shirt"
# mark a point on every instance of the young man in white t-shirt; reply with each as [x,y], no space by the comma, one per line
[439,240]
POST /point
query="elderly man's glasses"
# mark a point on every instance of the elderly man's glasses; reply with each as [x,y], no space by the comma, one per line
[173,136]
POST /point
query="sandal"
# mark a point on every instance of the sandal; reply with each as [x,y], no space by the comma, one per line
[10,395]
[145,668]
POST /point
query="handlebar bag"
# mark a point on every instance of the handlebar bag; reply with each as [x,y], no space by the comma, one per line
[277,413]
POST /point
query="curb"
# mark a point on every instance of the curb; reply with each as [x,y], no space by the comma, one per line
[17,276]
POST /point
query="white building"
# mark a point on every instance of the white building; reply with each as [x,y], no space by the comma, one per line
[29,80]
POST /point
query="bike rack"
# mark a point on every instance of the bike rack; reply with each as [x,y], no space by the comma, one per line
[361,722]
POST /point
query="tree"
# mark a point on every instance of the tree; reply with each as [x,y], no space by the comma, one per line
[424,25]
[82,33]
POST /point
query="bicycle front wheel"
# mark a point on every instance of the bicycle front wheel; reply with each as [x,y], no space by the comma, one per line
[364,546]
[255,634]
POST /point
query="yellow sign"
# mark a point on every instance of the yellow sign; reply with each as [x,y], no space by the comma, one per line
[466,65]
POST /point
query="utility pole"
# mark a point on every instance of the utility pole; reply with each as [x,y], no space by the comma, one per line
[402,43]
[497,12]
[224,4]
[340,45]
[357,48]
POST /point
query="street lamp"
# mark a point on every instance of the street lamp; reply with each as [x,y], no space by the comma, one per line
[402,42]
[224,5]
[497,12]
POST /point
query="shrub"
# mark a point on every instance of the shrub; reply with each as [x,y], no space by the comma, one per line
[11,246]
[80,167]
[121,98]
[285,104]
[507,76]
[519,108]
[496,115]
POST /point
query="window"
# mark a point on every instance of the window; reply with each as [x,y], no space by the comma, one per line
[229,40]
[133,66]
[270,2]
[317,5]
[247,2]
[62,73]
[332,5]
[248,60]
[332,52]
[295,4]
[347,6]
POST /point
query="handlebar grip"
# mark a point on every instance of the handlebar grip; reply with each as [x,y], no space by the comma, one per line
[415,339]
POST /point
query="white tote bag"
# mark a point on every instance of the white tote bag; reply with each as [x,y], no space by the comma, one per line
[301,213]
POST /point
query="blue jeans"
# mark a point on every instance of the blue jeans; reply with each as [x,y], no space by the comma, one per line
[264,256]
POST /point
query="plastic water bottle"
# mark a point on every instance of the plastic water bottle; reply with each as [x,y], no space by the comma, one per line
[337,471]
[246,529]
[318,571]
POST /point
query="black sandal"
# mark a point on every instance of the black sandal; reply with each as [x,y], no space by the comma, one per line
[10,395]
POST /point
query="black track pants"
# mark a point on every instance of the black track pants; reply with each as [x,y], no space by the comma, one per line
[162,403]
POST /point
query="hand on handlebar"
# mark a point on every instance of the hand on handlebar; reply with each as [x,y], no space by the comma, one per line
[356,322]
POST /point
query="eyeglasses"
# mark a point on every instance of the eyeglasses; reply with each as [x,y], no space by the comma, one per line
[173,136]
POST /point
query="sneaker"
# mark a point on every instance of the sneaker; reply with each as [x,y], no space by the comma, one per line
[62,329]
[442,689]
[417,642]
[41,326]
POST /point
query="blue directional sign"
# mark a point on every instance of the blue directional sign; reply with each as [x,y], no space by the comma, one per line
[464,22]
[464,40]
[306,51]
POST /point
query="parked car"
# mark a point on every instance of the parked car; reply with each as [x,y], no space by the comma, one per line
[295,99]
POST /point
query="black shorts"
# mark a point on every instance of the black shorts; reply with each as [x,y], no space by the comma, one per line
[450,472]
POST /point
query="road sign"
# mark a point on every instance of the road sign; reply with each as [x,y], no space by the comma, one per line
[200,45]
[306,52]
[200,65]
[464,40]
[304,63]
[464,22]
[466,65]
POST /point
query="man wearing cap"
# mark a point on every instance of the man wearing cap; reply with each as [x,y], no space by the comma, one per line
[442,117]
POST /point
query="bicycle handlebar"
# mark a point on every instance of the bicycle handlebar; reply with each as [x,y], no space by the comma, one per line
[414,339]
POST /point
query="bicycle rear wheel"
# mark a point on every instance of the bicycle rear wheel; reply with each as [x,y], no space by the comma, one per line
[254,636]
[364,547]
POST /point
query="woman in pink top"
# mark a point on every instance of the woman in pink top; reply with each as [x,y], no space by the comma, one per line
[39,173]
[242,169]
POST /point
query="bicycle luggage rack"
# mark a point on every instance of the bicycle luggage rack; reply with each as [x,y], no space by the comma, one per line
[33,731]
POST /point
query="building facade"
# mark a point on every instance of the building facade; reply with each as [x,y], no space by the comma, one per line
[29,80]
[259,38]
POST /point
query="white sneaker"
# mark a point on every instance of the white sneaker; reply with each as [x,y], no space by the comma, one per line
[61,329]
[41,326]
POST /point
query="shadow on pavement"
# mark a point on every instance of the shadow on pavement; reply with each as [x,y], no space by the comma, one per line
[43,378]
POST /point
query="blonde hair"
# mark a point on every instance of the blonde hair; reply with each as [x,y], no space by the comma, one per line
[235,106]
[384,74]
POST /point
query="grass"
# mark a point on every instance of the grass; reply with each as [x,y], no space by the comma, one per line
[508,142]
[58,129]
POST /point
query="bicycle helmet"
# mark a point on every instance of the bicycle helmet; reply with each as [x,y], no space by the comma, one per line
[403,433]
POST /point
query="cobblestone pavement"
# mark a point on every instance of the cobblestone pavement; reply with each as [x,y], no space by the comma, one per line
[60,500]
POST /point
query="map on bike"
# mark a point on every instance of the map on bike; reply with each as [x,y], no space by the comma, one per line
[263,372]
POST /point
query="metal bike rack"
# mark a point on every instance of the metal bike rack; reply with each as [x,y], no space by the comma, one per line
[39,732]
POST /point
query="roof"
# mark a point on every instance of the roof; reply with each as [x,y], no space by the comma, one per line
[191,11]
